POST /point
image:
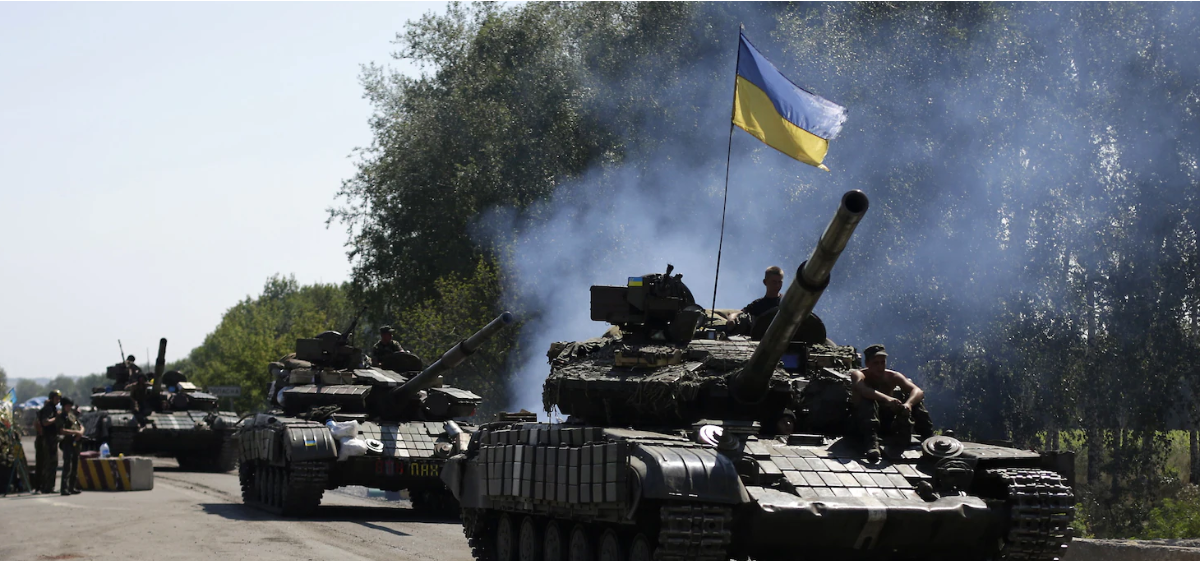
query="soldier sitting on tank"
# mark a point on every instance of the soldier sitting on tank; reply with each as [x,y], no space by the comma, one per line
[875,385]
[385,346]
[773,280]
[139,393]
[126,371]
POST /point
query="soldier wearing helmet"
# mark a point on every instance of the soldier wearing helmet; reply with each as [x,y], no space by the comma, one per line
[902,411]
[47,445]
[385,346]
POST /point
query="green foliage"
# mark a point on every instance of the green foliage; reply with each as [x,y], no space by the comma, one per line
[78,389]
[461,306]
[3,381]
[258,331]
[1177,517]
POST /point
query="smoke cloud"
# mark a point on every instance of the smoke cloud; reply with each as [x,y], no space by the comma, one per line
[995,143]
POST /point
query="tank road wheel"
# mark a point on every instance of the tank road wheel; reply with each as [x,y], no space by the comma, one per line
[640,549]
[580,548]
[554,547]
[478,527]
[610,547]
[506,538]
[529,547]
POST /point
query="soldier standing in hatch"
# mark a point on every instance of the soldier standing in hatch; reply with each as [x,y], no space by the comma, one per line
[773,280]
[72,439]
[874,386]
[126,371]
[47,458]
[385,346]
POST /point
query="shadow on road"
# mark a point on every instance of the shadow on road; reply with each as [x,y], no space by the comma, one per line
[331,513]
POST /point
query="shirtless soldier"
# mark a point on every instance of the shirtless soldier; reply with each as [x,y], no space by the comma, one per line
[874,386]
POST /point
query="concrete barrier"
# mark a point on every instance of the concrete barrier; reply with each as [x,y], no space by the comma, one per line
[116,474]
[1133,550]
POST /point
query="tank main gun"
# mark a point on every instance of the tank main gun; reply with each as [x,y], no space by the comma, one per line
[751,383]
[452,358]
[160,364]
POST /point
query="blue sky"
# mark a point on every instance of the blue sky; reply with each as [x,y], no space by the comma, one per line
[158,161]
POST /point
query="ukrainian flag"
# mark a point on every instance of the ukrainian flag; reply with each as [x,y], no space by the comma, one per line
[781,114]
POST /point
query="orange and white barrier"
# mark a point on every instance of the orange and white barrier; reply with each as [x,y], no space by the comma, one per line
[116,474]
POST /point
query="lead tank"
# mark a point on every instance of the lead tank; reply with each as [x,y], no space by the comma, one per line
[172,418]
[405,420]
[686,442]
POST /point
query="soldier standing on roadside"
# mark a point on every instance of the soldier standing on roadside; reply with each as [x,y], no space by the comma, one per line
[72,439]
[385,346]
[47,459]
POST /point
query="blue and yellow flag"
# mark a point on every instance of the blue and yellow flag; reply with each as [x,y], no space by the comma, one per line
[783,115]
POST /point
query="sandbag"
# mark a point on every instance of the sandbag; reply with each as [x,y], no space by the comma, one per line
[351,447]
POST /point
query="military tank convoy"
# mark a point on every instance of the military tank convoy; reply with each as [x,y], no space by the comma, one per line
[162,416]
[690,434]
[674,449]
[340,421]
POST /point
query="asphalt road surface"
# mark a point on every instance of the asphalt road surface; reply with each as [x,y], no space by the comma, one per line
[200,516]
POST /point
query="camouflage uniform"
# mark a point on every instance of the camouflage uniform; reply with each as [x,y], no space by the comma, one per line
[47,449]
[873,420]
[382,349]
[70,447]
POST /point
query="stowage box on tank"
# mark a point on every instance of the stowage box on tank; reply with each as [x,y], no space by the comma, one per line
[168,416]
[674,449]
[409,419]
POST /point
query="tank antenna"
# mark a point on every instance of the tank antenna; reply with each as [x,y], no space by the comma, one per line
[712,312]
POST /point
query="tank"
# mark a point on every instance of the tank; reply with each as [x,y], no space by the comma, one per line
[396,424]
[175,419]
[684,440]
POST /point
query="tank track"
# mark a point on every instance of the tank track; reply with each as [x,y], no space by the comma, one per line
[699,532]
[294,490]
[479,530]
[1041,509]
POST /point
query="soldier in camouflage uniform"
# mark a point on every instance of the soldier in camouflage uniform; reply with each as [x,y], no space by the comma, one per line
[139,392]
[71,432]
[126,371]
[385,346]
[47,445]
[876,386]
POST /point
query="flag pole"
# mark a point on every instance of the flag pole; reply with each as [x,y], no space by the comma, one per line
[725,200]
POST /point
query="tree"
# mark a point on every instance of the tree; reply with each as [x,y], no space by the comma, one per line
[258,331]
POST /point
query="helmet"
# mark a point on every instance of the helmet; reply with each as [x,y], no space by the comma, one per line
[55,393]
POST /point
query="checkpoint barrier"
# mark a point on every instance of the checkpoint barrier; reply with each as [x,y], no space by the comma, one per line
[116,474]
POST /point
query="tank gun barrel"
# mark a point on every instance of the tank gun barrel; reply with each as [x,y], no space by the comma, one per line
[751,383]
[160,364]
[451,358]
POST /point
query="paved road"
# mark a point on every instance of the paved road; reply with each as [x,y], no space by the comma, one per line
[200,516]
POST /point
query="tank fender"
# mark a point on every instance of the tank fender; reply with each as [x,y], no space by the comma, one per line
[463,479]
[304,444]
[687,473]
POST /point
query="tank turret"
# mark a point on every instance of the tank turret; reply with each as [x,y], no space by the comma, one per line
[342,421]
[751,383]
